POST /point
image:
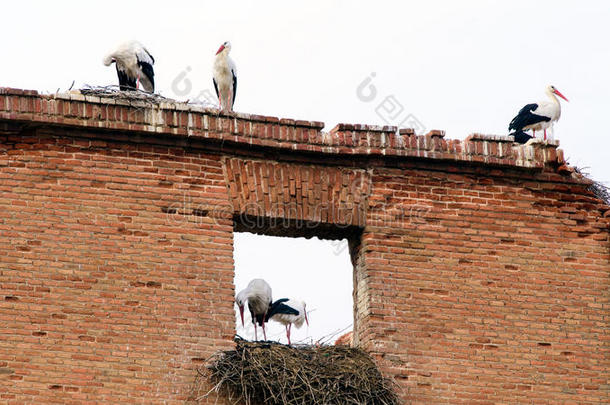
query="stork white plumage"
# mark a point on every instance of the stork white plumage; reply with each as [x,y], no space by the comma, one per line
[225,77]
[537,116]
[134,65]
[258,296]
[288,312]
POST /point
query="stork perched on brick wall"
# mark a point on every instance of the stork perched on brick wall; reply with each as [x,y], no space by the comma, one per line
[134,65]
[537,116]
[288,312]
[258,296]
[225,78]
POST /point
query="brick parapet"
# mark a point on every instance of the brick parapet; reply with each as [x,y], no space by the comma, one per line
[192,121]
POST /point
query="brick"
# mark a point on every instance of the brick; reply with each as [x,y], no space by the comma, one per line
[474,282]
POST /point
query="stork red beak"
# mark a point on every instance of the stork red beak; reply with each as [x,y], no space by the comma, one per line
[222,47]
[560,95]
[241,313]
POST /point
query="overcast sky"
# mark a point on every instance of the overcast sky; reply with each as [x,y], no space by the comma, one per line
[318,272]
[461,66]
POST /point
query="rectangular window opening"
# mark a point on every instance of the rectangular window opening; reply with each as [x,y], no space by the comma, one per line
[316,271]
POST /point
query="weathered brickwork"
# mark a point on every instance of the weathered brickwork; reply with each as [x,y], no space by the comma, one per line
[481,268]
[106,269]
[316,194]
[490,290]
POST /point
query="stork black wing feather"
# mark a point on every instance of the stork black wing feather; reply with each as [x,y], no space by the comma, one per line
[278,307]
[234,87]
[216,88]
[526,117]
[151,57]
[148,71]
[521,137]
[125,82]
[278,302]
[259,319]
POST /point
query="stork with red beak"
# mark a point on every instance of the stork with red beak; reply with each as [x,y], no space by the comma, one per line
[225,78]
[537,116]
[258,296]
[288,312]
[134,65]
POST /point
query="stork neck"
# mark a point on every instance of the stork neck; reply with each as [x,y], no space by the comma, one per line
[553,97]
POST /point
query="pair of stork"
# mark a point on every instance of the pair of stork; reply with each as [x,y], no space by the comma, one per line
[262,308]
[134,66]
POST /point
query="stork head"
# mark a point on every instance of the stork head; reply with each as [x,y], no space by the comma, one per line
[108,60]
[240,300]
[225,46]
[553,90]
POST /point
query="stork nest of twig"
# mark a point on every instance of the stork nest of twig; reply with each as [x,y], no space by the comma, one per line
[149,99]
[129,95]
[273,373]
[600,190]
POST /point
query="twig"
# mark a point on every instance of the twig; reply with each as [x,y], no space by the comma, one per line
[273,373]
[599,189]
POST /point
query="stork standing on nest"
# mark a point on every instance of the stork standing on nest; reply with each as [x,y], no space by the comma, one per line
[225,78]
[288,312]
[258,296]
[537,116]
[134,65]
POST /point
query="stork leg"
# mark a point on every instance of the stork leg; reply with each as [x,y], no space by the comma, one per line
[288,332]
[219,101]
[138,82]
[545,134]
[255,334]
[533,133]
[264,332]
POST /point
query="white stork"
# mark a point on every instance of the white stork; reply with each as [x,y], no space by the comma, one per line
[537,116]
[258,297]
[225,79]
[288,312]
[134,65]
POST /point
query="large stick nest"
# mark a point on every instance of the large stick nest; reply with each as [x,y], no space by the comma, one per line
[600,190]
[272,373]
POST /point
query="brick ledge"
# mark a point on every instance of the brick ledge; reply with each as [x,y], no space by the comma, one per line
[187,120]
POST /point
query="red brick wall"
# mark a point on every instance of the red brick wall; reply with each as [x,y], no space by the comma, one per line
[481,274]
[484,289]
[111,282]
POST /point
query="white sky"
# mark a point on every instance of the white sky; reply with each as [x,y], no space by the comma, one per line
[461,66]
[318,272]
